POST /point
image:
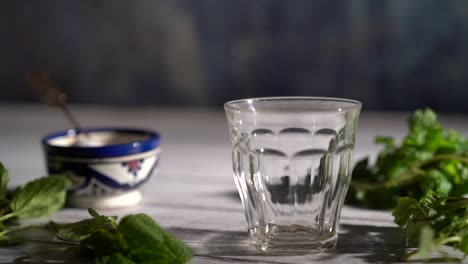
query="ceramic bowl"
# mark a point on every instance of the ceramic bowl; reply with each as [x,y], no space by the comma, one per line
[106,165]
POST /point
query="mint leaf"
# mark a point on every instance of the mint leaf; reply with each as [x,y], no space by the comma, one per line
[4,203]
[105,243]
[93,213]
[9,240]
[40,197]
[405,211]
[423,119]
[426,244]
[150,243]
[4,179]
[115,258]
[413,232]
[77,231]
[464,243]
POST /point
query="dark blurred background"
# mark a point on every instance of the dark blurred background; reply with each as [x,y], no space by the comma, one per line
[391,55]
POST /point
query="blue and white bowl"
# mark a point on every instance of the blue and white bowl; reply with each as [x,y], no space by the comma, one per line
[106,165]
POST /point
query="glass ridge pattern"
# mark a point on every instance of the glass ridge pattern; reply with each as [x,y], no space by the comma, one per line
[292,180]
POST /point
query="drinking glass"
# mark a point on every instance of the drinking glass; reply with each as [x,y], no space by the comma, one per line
[291,158]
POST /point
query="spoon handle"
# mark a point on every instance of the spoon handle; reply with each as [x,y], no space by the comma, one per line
[51,94]
[71,118]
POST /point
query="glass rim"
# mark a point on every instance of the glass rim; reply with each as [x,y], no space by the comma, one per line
[232,105]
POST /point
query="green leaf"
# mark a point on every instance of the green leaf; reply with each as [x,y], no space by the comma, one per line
[464,244]
[361,170]
[388,142]
[93,213]
[116,258]
[80,230]
[10,240]
[4,207]
[413,231]
[150,243]
[40,197]
[70,235]
[4,179]
[404,211]
[423,118]
[104,243]
[3,204]
[437,181]
[426,245]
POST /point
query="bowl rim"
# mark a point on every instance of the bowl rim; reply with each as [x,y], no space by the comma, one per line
[114,150]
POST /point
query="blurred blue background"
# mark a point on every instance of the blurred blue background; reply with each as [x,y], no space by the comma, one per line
[391,55]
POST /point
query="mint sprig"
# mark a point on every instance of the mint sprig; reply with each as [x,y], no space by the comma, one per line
[40,197]
[4,179]
[432,222]
[424,180]
[428,159]
[136,239]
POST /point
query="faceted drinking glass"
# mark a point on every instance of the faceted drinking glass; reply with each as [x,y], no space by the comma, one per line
[291,158]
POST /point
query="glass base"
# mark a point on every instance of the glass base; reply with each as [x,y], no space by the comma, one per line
[286,241]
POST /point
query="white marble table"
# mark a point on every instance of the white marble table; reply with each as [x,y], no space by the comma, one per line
[194,195]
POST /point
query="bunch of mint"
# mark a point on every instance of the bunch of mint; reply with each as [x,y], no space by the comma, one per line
[423,180]
[428,159]
[135,239]
[432,222]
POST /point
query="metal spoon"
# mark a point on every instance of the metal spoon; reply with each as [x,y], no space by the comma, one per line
[51,94]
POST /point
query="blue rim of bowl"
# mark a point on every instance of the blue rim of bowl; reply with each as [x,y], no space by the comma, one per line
[116,150]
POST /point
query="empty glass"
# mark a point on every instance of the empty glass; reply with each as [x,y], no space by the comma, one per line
[291,160]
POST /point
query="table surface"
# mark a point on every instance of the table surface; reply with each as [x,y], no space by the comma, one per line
[194,195]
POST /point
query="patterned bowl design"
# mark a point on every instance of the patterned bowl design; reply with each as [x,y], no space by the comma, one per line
[117,161]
